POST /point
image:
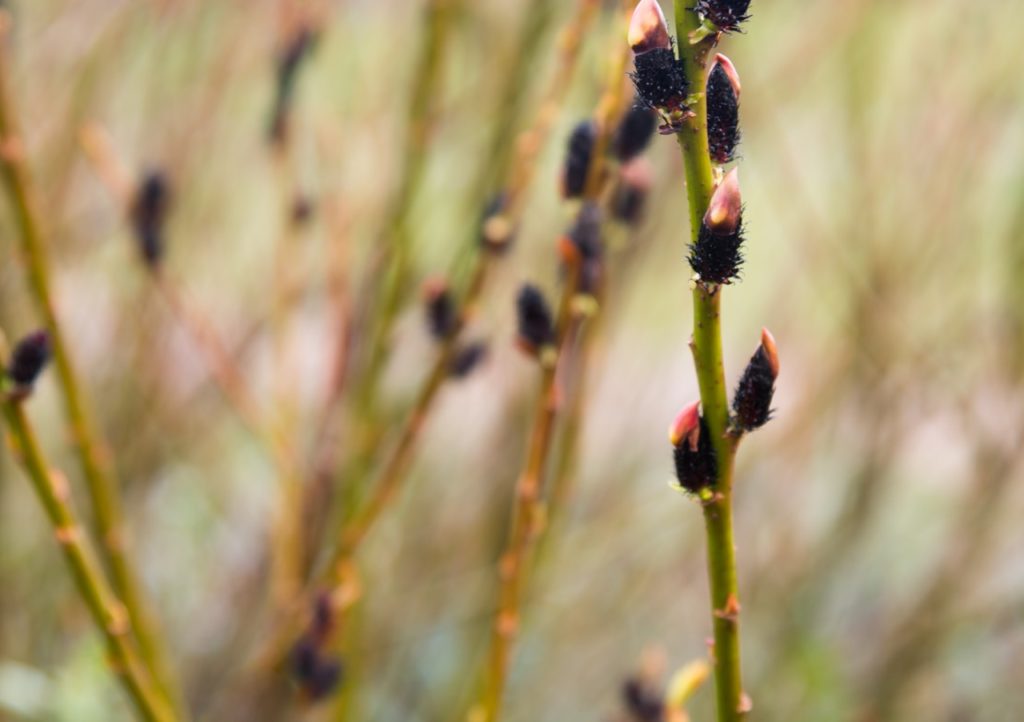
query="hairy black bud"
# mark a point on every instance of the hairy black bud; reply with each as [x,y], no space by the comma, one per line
[629,198]
[726,15]
[535,324]
[29,359]
[717,257]
[634,132]
[585,237]
[660,80]
[753,399]
[149,215]
[723,115]
[695,461]
[577,159]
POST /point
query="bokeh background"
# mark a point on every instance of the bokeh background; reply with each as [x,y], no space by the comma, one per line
[878,516]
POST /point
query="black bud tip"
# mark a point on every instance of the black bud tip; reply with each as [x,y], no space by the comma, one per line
[634,132]
[442,315]
[29,359]
[536,327]
[577,159]
[723,116]
[660,80]
[726,15]
[642,704]
[753,400]
[717,258]
[467,360]
[149,215]
[696,465]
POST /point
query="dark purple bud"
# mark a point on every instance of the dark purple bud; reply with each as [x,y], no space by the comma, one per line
[442,315]
[723,110]
[467,359]
[29,359]
[577,159]
[642,704]
[753,399]
[149,215]
[660,80]
[693,453]
[634,132]
[631,192]
[536,329]
[716,257]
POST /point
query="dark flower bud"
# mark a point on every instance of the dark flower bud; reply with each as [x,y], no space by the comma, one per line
[694,455]
[324,680]
[148,215]
[302,210]
[642,703]
[661,81]
[753,399]
[536,327]
[467,359]
[630,196]
[323,616]
[442,315]
[305,658]
[584,246]
[29,359]
[723,96]
[577,159]
[647,28]
[726,15]
[716,256]
[634,132]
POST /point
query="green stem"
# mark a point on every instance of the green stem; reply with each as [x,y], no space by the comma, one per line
[706,345]
[94,460]
[107,612]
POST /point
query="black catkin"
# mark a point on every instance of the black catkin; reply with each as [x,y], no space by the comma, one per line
[536,327]
[696,468]
[753,399]
[585,236]
[726,15]
[149,216]
[29,359]
[723,116]
[467,359]
[642,704]
[717,257]
[442,315]
[578,158]
[660,79]
[634,133]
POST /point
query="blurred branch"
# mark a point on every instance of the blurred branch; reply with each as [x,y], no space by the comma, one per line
[110,616]
[94,459]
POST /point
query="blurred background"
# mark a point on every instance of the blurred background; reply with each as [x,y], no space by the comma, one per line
[878,515]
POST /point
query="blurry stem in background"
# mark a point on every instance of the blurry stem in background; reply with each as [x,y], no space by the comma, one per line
[389,272]
[527,146]
[94,459]
[528,514]
[706,344]
[109,615]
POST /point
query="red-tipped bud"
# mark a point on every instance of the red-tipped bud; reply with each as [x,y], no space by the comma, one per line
[686,423]
[730,71]
[725,209]
[770,351]
[648,29]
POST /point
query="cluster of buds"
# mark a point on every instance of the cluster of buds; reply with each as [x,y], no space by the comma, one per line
[316,674]
[149,215]
[659,76]
[443,321]
[27,362]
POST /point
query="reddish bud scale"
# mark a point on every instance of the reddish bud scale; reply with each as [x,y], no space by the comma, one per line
[647,28]
[753,399]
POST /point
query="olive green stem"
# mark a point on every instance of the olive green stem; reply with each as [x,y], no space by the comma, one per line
[93,457]
[108,613]
[706,345]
